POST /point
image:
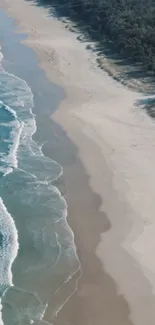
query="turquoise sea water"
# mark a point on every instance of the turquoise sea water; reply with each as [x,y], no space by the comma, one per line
[37,252]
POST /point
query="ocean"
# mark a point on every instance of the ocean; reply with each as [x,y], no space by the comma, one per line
[37,252]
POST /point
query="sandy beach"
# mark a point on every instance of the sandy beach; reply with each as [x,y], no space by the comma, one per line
[110,185]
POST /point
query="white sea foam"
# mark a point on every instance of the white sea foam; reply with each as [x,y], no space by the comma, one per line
[10,160]
[19,101]
[9,109]
[18,95]
[8,247]
[1,55]
[12,156]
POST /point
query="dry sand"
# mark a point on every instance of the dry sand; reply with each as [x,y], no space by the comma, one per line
[114,228]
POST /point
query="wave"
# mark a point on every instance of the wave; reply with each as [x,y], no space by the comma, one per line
[10,132]
[28,176]
[18,101]
[8,247]
[1,56]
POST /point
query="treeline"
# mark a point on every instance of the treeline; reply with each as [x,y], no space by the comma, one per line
[129,24]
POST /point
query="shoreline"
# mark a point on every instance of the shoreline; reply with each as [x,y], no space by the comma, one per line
[64,270]
[121,139]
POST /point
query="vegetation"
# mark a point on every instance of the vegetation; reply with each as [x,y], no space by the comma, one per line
[129,24]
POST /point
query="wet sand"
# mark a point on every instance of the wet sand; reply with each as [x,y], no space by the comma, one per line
[96,300]
[108,181]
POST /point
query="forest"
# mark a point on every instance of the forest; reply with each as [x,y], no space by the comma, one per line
[128,24]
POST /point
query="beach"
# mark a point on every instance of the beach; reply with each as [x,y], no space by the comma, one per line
[108,178]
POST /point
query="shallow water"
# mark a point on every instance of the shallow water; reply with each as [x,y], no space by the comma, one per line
[34,233]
